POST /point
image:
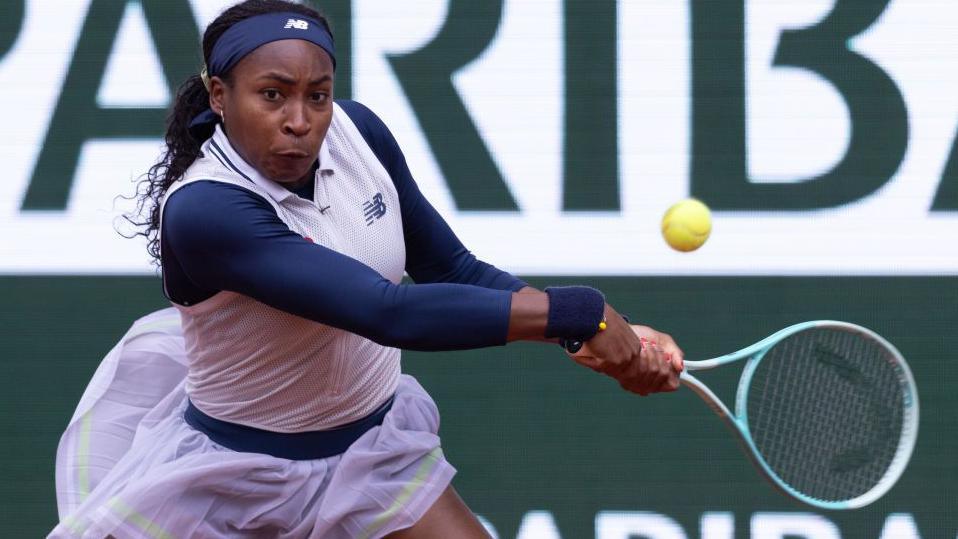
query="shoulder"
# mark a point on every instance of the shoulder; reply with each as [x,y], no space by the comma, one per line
[210,190]
[362,116]
[206,218]
[374,132]
[206,202]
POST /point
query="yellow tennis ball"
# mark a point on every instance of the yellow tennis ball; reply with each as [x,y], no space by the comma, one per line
[686,225]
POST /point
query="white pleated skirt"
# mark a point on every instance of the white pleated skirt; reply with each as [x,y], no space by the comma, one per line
[128,464]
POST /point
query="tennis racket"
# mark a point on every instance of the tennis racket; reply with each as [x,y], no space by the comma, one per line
[827,411]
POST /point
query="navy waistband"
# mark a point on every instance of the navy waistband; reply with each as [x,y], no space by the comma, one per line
[316,444]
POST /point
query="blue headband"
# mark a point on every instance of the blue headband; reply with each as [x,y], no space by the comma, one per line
[248,35]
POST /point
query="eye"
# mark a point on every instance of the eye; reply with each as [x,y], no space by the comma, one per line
[319,97]
[271,94]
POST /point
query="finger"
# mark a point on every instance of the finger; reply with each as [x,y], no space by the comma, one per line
[637,375]
[660,353]
[676,360]
[671,382]
[635,378]
[590,362]
[676,353]
[633,388]
[655,369]
[625,360]
[664,373]
[675,381]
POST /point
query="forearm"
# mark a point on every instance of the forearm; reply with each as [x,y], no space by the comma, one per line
[228,239]
[529,315]
[332,289]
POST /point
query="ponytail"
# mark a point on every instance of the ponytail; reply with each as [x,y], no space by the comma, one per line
[182,148]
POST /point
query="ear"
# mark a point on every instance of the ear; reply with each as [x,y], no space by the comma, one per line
[218,90]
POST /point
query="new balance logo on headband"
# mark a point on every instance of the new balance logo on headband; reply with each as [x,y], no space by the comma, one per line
[298,24]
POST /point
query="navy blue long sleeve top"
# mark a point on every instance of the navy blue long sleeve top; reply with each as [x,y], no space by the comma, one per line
[217,236]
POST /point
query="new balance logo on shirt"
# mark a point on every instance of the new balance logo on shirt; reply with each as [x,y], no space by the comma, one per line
[298,24]
[374,209]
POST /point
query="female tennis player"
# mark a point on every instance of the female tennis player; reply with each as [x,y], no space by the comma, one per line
[272,403]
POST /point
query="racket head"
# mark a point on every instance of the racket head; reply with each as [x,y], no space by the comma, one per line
[809,381]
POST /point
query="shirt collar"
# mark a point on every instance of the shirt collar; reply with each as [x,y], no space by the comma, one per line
[325,161]
[223,151]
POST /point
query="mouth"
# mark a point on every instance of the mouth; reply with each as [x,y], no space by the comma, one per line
[293,154]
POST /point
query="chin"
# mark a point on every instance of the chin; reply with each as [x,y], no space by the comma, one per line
[286,175]
[286,178]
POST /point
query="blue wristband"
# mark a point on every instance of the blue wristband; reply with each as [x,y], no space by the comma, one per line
[574,312]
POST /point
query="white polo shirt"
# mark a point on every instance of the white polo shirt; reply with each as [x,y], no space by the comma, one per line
[258,366]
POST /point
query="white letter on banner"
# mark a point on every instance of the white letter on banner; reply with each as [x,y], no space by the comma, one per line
[717,525]
[781,525]
[538,525]
[632,524]
[900,526]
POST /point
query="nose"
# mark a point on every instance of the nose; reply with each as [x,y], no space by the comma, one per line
[296,122]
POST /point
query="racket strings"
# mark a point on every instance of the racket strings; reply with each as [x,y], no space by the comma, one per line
[824,408]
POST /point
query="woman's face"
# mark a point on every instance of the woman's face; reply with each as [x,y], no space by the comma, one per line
[278,108]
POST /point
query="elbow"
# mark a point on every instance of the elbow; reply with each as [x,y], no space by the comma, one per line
[384,328]
[385,321]
[398,327]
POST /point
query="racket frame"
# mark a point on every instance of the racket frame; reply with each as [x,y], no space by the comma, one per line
[738,421]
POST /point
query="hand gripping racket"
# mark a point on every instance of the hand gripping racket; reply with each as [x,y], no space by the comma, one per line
[827,411]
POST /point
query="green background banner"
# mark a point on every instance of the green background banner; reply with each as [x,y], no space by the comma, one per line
[552,135]
[543,445]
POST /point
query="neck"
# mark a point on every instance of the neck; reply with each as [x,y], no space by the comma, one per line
[300,183]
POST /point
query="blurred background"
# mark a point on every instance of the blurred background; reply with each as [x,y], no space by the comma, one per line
[552,135]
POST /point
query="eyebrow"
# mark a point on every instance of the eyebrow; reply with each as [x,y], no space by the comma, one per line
[287,80]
